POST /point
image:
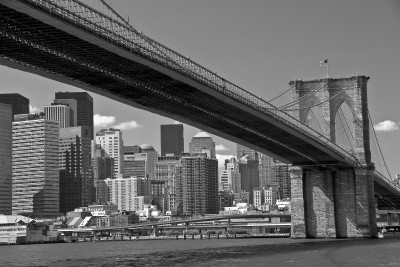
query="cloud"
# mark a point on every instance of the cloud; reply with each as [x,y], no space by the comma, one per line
[103,121]
[33,109]
[386,126]
[221,148]
[221,159]
[127,125]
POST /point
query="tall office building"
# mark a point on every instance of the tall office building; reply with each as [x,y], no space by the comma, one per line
[232,167]
[197,185]
[5,158]
[283,177]
[102,163]
[76,177]
[111,141]
[248,168]
[267,172]
[84,112]
[165,171]
[202,143]
[172,140]
[35,166]
[73,107]
[19,103]
[60,113]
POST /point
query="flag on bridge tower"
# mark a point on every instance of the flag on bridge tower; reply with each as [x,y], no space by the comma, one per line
[324,63]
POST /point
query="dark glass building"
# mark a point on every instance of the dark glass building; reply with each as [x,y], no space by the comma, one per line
[172,139]
[19,103]
[84,110]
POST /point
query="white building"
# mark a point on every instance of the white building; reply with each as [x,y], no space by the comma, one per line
[5,158]
[269,196]
[126,193]
[35,166]
[111,141]
[60,113]
[257,197]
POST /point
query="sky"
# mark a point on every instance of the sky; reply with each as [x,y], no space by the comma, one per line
[259,45]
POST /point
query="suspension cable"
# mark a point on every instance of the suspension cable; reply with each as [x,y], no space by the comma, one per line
[380,150]
[315,118]
[345,132]
[276,97]
[303,97]
[341,91]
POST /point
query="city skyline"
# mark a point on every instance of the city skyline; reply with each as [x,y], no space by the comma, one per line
[356,37]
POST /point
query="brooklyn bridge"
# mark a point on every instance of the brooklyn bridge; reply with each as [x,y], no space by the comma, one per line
[325,132]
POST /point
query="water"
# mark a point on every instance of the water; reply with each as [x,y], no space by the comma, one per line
[213,252]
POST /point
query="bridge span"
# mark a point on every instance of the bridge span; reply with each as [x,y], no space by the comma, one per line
[333,191]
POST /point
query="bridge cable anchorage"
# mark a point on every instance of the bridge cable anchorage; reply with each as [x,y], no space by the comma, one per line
[377,141]
[308,107]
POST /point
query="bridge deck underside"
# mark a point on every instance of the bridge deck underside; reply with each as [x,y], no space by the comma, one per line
[28,41]
[387,196]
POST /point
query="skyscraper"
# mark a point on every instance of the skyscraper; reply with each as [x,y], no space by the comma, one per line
[19,103]
[202,143]
[111,141]
[197,185]
[283,178]
[60,113]
[172,139]
[73,106]
[248,168]
[76,177]
[242,150]
[165,170]
[102,163]
[5,158]
[84,112]
[35,174]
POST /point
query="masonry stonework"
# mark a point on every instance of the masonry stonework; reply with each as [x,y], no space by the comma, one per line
[339,201]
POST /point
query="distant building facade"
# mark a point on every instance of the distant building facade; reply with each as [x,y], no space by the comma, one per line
[84,112]
[35,177]
[248,168]
[102,163]
[19,103]
[60,113]
[76,176]
[165,170]
[202,143]
[111,141]
[172,142]
[5,159]
[126,193]
[197,185]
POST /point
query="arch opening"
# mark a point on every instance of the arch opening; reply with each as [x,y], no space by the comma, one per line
[345,128]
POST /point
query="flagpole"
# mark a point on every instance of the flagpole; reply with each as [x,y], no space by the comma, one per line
[327,69]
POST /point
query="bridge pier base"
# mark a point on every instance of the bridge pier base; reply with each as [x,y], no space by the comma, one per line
[329,204]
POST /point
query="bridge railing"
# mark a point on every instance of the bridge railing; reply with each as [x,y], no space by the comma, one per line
[87,18]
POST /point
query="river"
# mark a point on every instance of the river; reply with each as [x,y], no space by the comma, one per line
[207,252]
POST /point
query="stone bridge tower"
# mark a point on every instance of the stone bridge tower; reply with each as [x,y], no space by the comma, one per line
[337,201]
[328,99]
